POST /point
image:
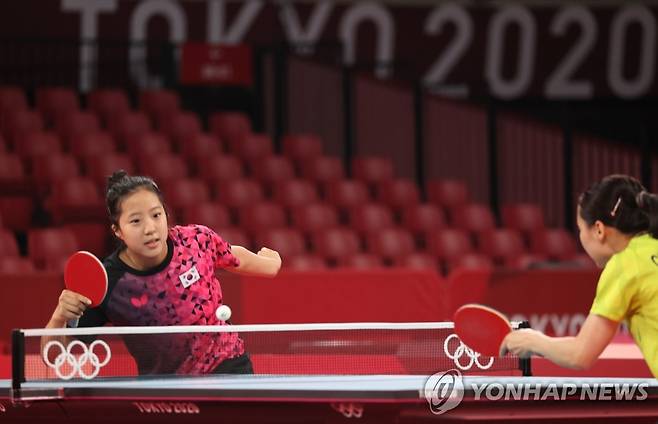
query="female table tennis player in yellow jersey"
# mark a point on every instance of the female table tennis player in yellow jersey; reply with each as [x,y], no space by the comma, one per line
[618,223]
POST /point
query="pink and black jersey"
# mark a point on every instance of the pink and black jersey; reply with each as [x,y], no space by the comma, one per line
[183,290]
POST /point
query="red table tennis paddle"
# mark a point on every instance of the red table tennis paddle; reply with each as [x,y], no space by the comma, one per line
[86,275]
[481,328]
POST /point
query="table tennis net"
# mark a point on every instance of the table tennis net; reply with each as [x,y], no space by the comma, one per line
[339,349]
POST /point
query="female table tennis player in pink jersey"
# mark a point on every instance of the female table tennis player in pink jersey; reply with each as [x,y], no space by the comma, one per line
[166,276]
[618,223]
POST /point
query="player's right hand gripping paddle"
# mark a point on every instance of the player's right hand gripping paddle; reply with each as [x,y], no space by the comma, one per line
[86,275]
[481,328]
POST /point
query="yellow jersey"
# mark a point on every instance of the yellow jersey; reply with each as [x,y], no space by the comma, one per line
[628,290]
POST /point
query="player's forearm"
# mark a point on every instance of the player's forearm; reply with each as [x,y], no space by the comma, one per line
[568,352]
[253,264]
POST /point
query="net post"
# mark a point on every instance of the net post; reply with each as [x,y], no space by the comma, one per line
[525,364]
[17,362]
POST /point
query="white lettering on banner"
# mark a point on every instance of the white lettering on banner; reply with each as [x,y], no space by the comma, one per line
[561,84]
[144,11]
[219,32]
[458,18]
[167,408]
[444,391]
[2,407]
[558,325]
[572,34]
[632,15]
[89,11]
[383,21]
[496,42]
[316,23]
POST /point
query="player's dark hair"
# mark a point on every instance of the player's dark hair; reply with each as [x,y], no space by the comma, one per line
[120,184]
[620,201]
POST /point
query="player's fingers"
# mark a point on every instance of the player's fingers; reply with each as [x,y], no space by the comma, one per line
[73,304]
[73,296]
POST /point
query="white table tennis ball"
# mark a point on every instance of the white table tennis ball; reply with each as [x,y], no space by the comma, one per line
[223,313]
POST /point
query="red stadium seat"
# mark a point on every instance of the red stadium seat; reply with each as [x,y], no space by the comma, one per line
[12,98]
[390,243]
[306,262]
[273,170]
[128,125]
[287,241]
[91,236]
[449,244]
[525,217]
[238,193]
[180,127]
[8,243]
[76,199]
[417,260]
[93,143]
[220,169]
[16,265]
[13,178]
[253,147]
[335,243]
[143,146]
[556,244]
[398,193]
[302,147]
[159,104]
[185,192]
[231,127]
[53,101]
[50,248]
[163,168]
[294,193]
[447,193]
[314,217]
[16,123]
[38,143]
[107,103]
[16,211]
[211,214]
[361,261]
[524,261]
[99,168]
[200,146]
[235,236]
[347,193]
[75,124]
[323,169]
[473,217]
[258,217]
[423,218]
[501,244]
[370,217]
[51,170]
[373,170]
[469,261]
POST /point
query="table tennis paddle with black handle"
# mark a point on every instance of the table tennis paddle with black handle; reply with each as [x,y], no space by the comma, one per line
[86,275]
[481,328]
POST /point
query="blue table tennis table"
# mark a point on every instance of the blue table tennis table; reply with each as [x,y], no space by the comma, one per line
[317,398]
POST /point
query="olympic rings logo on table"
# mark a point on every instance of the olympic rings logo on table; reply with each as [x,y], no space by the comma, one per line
[463,351]
[76,362]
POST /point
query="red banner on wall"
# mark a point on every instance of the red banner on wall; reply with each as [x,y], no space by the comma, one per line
[212,64]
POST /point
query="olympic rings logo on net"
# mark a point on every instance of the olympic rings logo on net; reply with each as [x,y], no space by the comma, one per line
[76,362]
[463,351]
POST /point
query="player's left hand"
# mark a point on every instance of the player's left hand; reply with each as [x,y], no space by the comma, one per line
[271,254]
[521,342]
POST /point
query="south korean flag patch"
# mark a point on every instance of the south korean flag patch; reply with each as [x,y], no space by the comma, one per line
[189,277]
